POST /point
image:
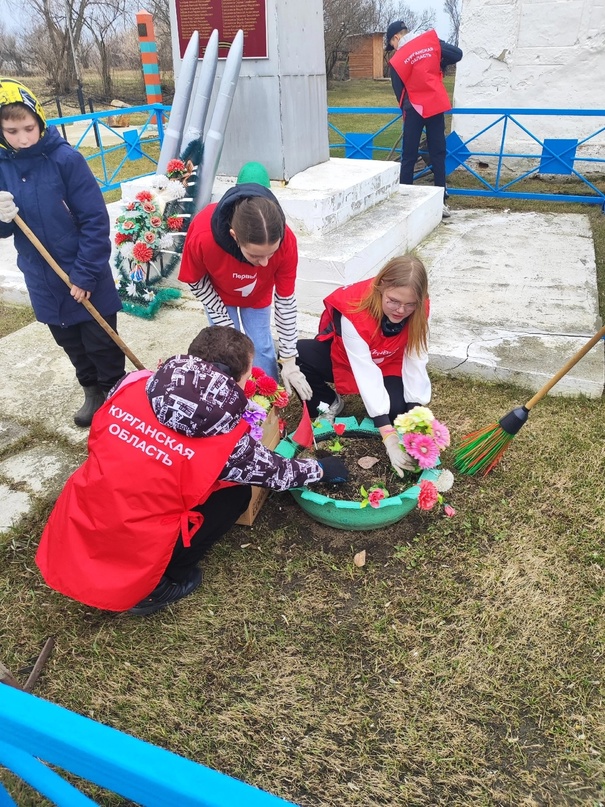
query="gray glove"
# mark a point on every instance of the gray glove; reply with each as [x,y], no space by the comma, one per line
[398,456]
[293,376]
[8,208]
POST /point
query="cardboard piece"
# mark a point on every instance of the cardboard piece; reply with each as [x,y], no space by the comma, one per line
[270,439]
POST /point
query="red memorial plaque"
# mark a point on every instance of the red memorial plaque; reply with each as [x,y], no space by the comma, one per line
[228,16]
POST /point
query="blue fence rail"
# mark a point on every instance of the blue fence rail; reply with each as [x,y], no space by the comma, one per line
[545,155]
[35,734]
[108,148]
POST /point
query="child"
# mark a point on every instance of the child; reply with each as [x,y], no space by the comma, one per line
[50,184]
[372,340]
[240,253]
[169,471]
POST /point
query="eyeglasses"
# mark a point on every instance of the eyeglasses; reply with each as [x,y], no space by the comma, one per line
[395,305]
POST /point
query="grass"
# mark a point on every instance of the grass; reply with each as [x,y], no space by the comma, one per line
[463,665]
[13,317]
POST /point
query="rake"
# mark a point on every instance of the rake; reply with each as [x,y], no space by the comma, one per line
[482,450]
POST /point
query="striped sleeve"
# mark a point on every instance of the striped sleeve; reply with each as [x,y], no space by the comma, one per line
[286,325]
[208,297]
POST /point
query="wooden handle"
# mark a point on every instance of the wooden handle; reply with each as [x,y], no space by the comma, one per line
[86,303]
[566,368]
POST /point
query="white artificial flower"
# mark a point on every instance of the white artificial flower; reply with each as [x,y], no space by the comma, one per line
[160,181]
[126,249]
[322,407]
[149,295]
[175,190]
[445,481]
[166,241]
[131,289]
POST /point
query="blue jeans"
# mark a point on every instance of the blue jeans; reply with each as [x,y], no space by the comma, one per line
[256,323]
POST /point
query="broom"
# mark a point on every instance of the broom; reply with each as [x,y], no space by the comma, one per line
[482,450]
[86,303]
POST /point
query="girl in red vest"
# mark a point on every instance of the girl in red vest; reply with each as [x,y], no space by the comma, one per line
[373,340]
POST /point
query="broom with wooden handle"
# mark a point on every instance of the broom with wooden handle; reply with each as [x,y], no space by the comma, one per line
[86,303]
[480,451]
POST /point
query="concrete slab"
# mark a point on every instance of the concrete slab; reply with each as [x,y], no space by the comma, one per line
[14,504]
[514,296]
[11,433]
[41,469]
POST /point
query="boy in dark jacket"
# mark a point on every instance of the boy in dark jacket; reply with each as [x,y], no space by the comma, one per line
[42,176]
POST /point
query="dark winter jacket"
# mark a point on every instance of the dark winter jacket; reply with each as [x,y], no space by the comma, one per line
[59,199]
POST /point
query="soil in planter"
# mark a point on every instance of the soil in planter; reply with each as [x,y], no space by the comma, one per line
[354,448]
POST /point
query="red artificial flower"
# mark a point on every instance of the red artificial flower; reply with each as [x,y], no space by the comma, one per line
[144,196]
[121,237]
[339,429]
[281,399]
[175,166]
[130,206]
[156,221]
[427,498]
[149,207]
[257,372]
[175,222]
[142,253]
[250,388]
[375,497]
[149,237]
[267,385]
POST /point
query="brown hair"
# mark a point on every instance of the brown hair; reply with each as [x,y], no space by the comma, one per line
[258,220]
[406,270]
[222,345]
[16,111]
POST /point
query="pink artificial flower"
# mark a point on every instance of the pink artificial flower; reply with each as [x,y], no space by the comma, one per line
[423,449]
[148,207]
[127,225]
[250,388]
[156,221]
[281,399]
[449,510]
[428,495]
[339,428]
[409,441]
[143,196]
[149,237]
[142,253]
[130,206]
[441,434]
[375,497]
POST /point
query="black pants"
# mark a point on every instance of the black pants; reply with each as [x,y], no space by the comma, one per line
[95,356]
[221,510]
[413,123]
[315,362]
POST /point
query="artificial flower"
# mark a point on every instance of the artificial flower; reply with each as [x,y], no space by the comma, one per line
[142,253]
[375,497]
[266,385]
[250,387]
[175,222]
[339,428]
[175,167]
[428,495]
[424,450]
[144,196]
[449,510]
[440,434]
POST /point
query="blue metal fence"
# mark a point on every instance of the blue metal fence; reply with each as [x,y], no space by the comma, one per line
[35,734]
[109,148]
[551,156]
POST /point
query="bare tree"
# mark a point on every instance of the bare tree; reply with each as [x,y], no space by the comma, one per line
[342,18]
[101,22]
[453,9]
[12,54]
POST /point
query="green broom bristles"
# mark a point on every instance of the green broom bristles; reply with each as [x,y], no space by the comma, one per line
[480,451]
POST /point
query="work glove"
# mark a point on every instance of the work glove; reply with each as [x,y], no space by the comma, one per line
[8,208]
[398,456]
[293,376]
[334,470]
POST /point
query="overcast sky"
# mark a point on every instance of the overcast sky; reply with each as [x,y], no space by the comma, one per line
[443,21]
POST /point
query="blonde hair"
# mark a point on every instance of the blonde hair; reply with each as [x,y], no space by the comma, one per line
[409,271]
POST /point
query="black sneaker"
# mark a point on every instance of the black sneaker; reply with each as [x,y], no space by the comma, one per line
[167,592]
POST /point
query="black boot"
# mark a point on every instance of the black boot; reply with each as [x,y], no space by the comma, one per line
[94,397]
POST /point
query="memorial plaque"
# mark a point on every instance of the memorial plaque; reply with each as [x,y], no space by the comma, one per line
[228,16]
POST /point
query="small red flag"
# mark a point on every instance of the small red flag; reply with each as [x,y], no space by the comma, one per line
[304,431]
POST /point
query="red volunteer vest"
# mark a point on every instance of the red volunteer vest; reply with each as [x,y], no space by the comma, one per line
[418,65]
[112,531]
[386,352]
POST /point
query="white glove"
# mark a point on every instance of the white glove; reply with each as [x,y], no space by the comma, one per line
[8,208]
[293,376]
[398,456]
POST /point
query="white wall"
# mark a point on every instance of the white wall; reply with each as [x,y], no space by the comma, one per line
[546,54]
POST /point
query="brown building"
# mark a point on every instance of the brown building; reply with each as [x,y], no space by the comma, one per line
[366,56]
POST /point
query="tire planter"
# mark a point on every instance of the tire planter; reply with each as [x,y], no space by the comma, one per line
[349,515]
